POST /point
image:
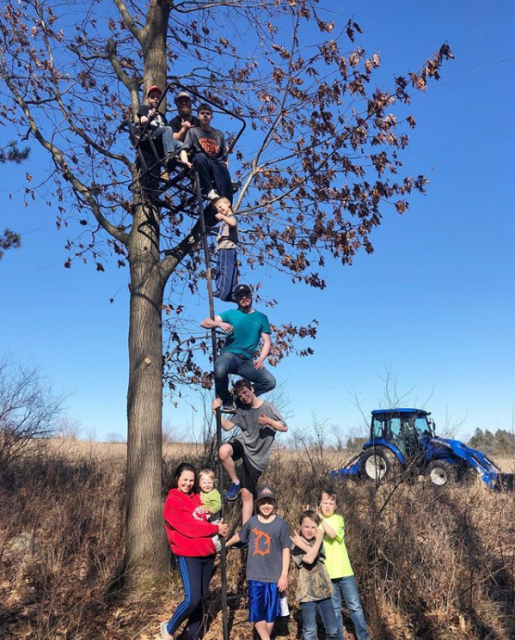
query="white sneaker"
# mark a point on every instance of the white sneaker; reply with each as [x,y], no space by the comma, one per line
[212,195]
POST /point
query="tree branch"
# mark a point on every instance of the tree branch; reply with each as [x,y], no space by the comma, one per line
[131,25]
[60,161]
[131,83]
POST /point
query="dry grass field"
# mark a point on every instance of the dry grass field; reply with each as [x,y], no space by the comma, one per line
[431,565]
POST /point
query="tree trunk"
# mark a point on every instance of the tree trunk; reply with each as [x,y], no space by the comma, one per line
[146,551]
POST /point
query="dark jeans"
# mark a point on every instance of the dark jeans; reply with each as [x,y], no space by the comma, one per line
[227,362]
[213,175]
[309,620]
[349,589]
[226,274]
[196,574]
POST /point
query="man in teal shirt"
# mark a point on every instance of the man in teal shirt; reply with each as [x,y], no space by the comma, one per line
[244,328]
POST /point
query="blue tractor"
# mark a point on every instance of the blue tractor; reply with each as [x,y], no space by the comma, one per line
[404,441]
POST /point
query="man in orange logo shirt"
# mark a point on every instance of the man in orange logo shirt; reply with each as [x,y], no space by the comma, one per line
[210,157]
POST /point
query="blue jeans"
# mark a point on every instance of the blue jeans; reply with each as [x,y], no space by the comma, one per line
[349,589]
[170,146]
[309,620]
[227,362]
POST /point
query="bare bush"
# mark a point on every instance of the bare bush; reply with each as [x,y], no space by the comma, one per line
[28,409]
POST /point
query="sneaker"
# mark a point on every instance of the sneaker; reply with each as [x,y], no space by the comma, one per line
[212,195]
[232,491]
[171,161]
[229,407]
[164,632]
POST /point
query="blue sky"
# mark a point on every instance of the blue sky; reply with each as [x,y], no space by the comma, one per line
[433,305]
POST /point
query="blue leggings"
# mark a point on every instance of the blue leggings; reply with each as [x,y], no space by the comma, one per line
[196,575]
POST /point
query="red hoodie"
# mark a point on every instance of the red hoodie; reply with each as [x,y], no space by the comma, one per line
[189,533]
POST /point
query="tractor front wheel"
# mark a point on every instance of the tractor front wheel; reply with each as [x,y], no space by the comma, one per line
[442,473]
[379,463]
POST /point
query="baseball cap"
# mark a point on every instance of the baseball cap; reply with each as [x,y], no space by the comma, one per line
[266,491]
[182,94]
[154,87]
[242,289]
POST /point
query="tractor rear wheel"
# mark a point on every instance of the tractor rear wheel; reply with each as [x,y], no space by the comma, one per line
[379,463]
[442,473]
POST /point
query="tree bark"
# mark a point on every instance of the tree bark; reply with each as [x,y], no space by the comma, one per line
[146,551]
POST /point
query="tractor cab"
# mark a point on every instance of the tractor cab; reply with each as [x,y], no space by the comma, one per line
[407,430]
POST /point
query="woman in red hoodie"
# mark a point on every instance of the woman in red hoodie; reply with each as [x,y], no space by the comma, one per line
[190,537]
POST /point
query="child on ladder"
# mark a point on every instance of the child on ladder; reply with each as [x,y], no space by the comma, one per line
[258,421]
[226,252]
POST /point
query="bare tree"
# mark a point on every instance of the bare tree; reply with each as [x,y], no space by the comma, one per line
[323,157]
[28,410]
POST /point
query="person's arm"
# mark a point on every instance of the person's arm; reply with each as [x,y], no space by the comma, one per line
[152,113]
[329,531]
[223,151]
[230,219]
[217,323]
[233,540]
[273,420]
[278,425]
[226,424]
[183,521]
[242,535]
[185,127]
[299,542]
[312,554]
[282,583]
[333,533]
[265,350]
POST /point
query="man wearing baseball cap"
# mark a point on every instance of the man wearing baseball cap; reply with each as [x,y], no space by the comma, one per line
[185,119]
[156,125]
[244,328]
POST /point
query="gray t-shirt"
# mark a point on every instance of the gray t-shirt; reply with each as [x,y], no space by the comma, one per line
[227,237]
[266,544]
[257,441]
[210,141]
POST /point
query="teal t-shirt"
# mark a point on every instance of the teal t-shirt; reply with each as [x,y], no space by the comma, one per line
[248,328]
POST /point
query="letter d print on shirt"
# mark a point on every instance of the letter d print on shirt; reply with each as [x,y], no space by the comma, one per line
[261,543]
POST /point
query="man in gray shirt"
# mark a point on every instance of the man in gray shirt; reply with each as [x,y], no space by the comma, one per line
[258,421]
[210,157]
